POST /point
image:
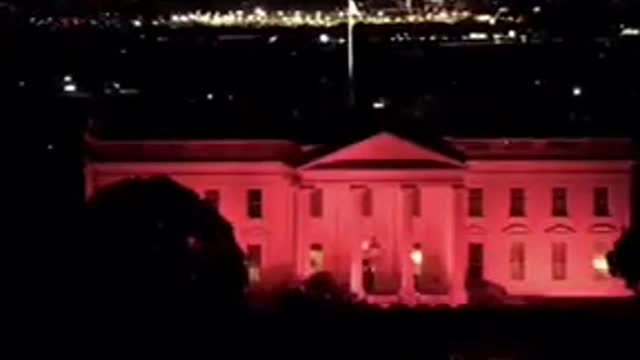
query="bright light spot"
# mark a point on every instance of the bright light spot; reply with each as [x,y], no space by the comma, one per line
[324,38]
[136,23]
[259,12]
[209,96]
[379,104]
[537,82]
[537,9]
[123,51]
[478,36]
[70,88]
[22,83]
[116,85]
[416,257]
[630,32]
[601,264]
[576,91]
[49,147]
[512,34]
[68,78]
[273,39]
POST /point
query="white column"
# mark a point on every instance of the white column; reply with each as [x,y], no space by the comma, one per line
[406,240]
[457,260]
[302,252]
[356,240]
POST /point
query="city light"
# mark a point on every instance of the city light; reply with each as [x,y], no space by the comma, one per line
[70,87]
[324,38]
[576,91]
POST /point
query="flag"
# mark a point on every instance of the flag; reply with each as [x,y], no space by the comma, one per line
[353,9]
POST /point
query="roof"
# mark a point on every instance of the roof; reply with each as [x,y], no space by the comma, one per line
[195,150]
[384,150]
[545,148]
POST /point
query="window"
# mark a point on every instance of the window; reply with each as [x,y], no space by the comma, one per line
[254,204]
[599,263]
[559,202]
[315,203]
[417,259]
[213,197]
[601,201]
[559,261]
[316,258]
[366,208]
[254,263]
[415,201]
[475,262]
[517,260]
[475,202]
[517,203]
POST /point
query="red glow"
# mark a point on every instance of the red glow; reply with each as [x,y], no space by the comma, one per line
[395,171]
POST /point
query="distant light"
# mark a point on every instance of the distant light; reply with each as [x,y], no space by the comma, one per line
[67,78]
[512,34]
[123,51]
[478,36]
[273,39]
[230,97]
[324,38]
[537,9]
[259,12]
[49,147]
[209,96]
[379,104]
[537,82]
[630,32]
[116,85]
[136,23]
[576,91]
[70,87]
[21,83]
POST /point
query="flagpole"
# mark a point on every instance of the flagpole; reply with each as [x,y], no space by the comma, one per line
[351,9]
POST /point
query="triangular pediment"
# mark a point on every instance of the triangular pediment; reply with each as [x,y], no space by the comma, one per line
[383,151]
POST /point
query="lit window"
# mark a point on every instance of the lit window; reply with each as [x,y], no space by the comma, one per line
[517,260]
[254,263]
[315,203]
[559,261]
[517,203]
[599,263]
[559,202]
[366,208]
[316,258]
[601,201]
[254,204]
[213,197]
[475,202]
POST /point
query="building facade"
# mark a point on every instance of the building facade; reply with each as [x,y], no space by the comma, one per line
[398,220]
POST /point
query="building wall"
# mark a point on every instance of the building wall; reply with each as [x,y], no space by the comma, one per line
[443,229]
[272,232]
[581,231]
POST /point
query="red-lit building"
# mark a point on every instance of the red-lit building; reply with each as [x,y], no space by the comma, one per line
[400,220]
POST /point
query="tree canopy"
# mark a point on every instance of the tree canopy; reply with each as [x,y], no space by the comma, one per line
[624,259]
[155,237]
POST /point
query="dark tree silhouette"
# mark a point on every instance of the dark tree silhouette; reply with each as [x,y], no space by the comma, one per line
[153,237]
[323,286]
[624,259]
